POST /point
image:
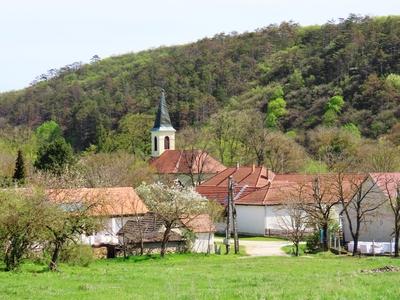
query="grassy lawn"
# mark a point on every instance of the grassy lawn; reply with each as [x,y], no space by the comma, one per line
[215,277]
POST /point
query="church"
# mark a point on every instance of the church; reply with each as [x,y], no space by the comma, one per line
[190,167]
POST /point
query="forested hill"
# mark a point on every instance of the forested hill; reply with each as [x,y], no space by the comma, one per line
[357,58]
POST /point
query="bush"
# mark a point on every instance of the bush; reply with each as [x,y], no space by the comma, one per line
[312,242]
[77,255]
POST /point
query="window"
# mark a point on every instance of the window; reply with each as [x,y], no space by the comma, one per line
[166,143]
[155,143]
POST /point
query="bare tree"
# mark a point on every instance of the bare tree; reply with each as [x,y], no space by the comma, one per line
[171,204]
[296,222]
[320,205]
[195,145]
[114,169]
[215,212]
[392,188]
[356,195]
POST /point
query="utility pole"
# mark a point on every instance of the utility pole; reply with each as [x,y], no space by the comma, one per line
[233,212]
[229,214]
[235,233]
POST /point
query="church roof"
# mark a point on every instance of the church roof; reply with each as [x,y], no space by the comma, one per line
[180,162]
[163,120]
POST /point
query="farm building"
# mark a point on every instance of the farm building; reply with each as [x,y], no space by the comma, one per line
[147,231]
[120,206]
[260,195]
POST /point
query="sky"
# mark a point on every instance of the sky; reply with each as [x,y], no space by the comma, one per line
[38,35]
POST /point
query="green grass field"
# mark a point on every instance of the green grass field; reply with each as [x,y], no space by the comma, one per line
[215,277]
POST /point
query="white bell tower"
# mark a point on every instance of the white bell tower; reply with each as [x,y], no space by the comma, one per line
[162,133]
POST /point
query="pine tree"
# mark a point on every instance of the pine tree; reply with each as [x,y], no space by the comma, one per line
[19,172]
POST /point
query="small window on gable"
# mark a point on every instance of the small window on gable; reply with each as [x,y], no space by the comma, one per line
[166,143]
[155,143]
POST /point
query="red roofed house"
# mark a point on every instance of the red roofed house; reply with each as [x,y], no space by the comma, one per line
[119,206]
[188,166]
[259,196]
[115,205]
[379,225]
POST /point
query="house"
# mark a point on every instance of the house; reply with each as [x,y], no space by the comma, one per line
[378,225]
[260,195]
[148,230]
[121,207]
[114,205]
[188,166]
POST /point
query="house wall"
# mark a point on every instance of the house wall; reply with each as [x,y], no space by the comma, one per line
[109,234]
[378,225]
[203,241]
[276,216]
[251,219]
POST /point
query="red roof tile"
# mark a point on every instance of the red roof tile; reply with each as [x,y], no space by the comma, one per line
[387,182]
[180,162]
[260,189]
[106,201]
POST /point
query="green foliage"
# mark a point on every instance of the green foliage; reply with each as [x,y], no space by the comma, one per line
[77,255]
[393,80]
[276,109]
[19,172]
[315,167]
[332,109]
[132,135]
[22,217]
[89,101]
[313,242]
[55,156]
[335,104]
[353,129]
[48,132]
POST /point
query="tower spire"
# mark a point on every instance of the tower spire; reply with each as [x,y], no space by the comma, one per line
[162,133]
[162,119]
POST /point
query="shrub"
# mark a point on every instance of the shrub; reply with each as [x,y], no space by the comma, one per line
[77,255]
[312,242]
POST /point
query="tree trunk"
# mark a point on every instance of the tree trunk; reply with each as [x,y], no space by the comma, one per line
[396,241]
[141,245]
[296,245]
[325,245]
[54,257]
[355,244]
[165,240]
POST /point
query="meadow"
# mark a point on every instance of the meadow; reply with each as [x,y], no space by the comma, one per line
[188,276]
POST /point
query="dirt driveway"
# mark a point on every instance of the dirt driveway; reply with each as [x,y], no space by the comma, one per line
[264,248]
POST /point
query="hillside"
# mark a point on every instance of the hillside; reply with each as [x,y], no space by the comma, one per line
[352,58]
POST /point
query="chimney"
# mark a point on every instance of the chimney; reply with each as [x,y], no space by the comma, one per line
[267,173]
[237,165]
[254,168]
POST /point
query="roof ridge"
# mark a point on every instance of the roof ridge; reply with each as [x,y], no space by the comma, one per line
[246,176]
[179,161]
[259,176]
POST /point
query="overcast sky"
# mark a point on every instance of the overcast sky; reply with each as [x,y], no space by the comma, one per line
[38,35]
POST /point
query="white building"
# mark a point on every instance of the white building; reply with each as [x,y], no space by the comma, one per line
[261,195]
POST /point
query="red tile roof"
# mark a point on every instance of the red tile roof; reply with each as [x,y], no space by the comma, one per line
[180,162]
[113,201]
[199,224]
[387,182]
[259,189]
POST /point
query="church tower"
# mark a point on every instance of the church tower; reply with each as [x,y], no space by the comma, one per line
[162,134]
